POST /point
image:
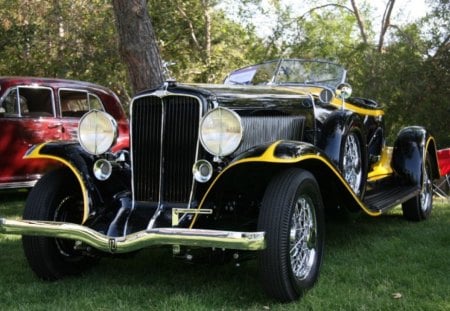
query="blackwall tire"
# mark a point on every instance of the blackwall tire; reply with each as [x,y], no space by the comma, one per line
[420,207]
[55,197]
[292,217]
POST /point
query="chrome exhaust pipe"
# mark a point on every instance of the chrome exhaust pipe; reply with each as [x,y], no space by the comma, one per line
[137,240]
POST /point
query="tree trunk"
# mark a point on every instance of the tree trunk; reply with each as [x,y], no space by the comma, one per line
[137,44]
[208,22]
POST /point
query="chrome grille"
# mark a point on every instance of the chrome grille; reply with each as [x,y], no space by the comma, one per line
[263,129]
[164,142]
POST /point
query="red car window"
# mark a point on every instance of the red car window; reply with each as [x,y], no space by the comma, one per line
[29,102]
[76,103]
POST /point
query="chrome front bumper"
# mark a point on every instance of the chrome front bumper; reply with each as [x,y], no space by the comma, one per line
[137,240]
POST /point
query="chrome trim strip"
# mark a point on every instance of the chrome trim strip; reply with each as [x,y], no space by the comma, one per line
[311,97]
[135,241]
[19,184]
[152,221]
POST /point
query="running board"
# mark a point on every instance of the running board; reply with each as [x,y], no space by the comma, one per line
[137,240]
[388,197]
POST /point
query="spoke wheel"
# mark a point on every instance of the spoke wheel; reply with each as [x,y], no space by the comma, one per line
[292,217]
[351,163]
[55,197]
[303,237]
[420,207]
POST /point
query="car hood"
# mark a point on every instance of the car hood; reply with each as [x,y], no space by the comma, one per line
[226,91]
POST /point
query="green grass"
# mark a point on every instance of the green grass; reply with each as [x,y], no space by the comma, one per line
[368,262]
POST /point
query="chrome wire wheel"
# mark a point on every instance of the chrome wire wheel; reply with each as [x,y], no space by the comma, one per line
[292,217]
[427,191]
[303,238]
[351,163]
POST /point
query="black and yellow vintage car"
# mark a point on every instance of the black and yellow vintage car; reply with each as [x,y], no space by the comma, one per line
[247,167]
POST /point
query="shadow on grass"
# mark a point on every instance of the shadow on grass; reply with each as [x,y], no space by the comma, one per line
[153,279]
[218,284]
[12,202]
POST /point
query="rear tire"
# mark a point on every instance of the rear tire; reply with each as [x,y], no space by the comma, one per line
[292,217]
[55,197]
[420,207]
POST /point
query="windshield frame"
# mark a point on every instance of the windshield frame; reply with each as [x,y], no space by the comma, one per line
[290,72]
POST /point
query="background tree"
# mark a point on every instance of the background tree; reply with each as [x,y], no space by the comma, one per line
[404,66]
[201,40]
[401,66]
[62,39]
[137,44]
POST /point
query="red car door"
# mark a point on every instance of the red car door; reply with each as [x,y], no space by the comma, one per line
[27,117]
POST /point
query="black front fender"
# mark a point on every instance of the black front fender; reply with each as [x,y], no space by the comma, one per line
[71,156]
[252,171]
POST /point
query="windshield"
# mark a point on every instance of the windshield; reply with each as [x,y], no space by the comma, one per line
[290,72]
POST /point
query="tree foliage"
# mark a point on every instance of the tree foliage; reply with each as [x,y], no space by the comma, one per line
[202,42]
[65,39]
[404,66]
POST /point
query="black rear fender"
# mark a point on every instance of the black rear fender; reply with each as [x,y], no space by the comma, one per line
[410,150]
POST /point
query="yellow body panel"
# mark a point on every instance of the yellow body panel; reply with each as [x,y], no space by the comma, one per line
[383,167]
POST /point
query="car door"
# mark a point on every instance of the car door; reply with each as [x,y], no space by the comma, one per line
[27,118]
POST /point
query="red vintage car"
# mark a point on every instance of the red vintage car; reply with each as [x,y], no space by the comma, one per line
[35,110]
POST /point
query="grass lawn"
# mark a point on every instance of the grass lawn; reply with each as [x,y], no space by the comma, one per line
[383,263]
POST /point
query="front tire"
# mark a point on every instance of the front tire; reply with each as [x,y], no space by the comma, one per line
[55,197]
[420,207]
[292,217]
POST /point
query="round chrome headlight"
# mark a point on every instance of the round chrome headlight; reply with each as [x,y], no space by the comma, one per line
[97,132]
[221,131]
